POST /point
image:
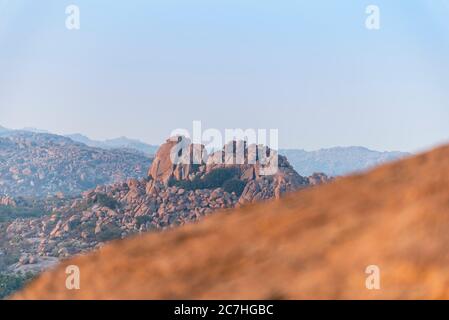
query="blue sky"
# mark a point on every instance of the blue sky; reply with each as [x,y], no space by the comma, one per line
[310,69]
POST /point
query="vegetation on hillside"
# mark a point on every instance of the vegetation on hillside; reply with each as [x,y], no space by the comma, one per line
[11,283]
[8,213]
[218,178]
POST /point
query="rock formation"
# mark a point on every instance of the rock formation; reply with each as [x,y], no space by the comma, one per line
[316,243]
[267,174]
[72,225]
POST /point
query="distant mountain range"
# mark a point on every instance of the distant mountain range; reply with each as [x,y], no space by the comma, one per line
[338,161]
[122,142]
[117,143]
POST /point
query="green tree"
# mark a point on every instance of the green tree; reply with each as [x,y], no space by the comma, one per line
[11,283]
[234,185]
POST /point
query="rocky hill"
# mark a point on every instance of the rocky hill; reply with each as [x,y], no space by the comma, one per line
[39,164]
[171,195]
[339,161]
[109,212]
[316,243]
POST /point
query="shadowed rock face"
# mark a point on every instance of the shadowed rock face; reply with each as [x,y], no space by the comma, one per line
[162,167]
[316,243]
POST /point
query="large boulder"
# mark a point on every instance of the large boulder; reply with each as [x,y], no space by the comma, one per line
[285,180]
[177,158]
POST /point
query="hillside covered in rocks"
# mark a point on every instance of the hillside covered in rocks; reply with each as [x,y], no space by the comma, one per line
[41,165]
[171,195]
[314,244]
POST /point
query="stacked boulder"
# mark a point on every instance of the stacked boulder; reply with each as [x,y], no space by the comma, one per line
[266,174]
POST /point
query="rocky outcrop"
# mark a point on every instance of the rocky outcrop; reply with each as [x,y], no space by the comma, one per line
[266,174]
[286,179]
[271,188]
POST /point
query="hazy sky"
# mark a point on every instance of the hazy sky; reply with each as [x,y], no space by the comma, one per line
[310,69]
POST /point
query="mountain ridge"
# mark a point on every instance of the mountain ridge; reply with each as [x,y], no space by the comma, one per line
[120,142]
[339,161]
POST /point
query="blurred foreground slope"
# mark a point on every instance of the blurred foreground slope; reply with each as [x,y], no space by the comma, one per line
[313,244]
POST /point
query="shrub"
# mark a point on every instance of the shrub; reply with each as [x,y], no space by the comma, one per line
[186,184]
[8,213]
[217,177]
[104,200]
[12,283]
[212,180]
[142,220]
[110,232]
[234,185]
